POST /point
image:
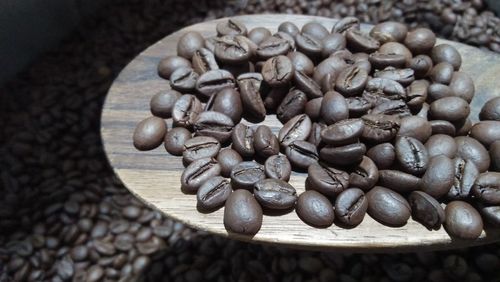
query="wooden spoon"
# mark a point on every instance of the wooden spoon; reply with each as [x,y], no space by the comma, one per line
[154,176]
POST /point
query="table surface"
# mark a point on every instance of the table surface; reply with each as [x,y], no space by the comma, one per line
[154,176]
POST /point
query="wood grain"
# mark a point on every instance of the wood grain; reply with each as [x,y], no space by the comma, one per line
[154,176]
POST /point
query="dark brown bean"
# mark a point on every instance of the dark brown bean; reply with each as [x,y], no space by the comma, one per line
[351,206]
[149,133]
[242,213]
[315,209]
[388,207]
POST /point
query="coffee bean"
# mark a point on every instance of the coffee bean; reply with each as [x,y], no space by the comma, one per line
[442,127]
[416,94]
[332,43]
[421,65]
[326,180]
[104,248]
[169,64]
[162,103]
[462,221]
[351,206]
[259,34]
[232,50]
[411,155]
[213,193]
[495,156]
[465,172]
[213,81]
[301,63]
[200,147]
[351,81]
[278,167]
[439,177]
[486,132]
[315,29]
[296,129]
[289,27]
[245,174]
[416,127]
[228,102]
[345,24]
[437,91]
[307,85]
[491,110]
[197,173]
[343,132]
[231,27]
[330,66]
[383,155]
[265,143]
[446,53]
[334,108]
[382,61]
[491,214]
[175,140]
[315,135]
[389,31]
[204,60]
[227,159]
[249,85]
[309,45]
[390,88]
[292,105]
[315,209]
[462,86]
[242,137]
[399,181]
[189,43]
[360,41]
[149,133]
[214,124]
[151,246]
[275,194]
[426,210]
[380,128]
[274,96]
[273,47]
[313,108]
[441,144]
[124,242]
[391,107]
[442,73]
[343,155]
[242,213]
[486,188]
[388,207]
[470,149]
[277,71]
[365,175]
[358,106]
[403,76]
[183,79]
[420,40]
[186,110]
[301,154]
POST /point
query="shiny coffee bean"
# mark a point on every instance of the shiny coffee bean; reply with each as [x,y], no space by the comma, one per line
[486,132]
[289,27]
[163,102]
[383,155]
[301,62]
[380,128]
[360,41]
[365,175]
[389,31]
[273,47]
[315,135]
[420,40]
[313,108]
[251,99]
[307,85]
[358,106]
[396,48]
[213,193]
[245,174]
[315,29]
[440,144]
[351,81]
[351,206]
[278,167]
[327,180]
[259,34]
[345,24]
[290,39]
[343,132]
[214,81]
[383,60]
[437,91]
[275,194]
[228,158]
[421,65]
[265,143]
[214,124]
[277,71]
[204,60]
[465,173]
[495,156]
[301,154]
[388,207]
[169,64]
[386,86]
[309,45]
[491,110]
[189,43]
[197,173]
[242,213]
[333,108]
[298,128]
[315,209]
[183,79]
[398,181]
[416,94]
[200,147]
[232,50]
[392,107]
[442,127]
[228,102]
[333,43]
[462,220]
[462,86]
[186,110]
[446,53]
[292,105]
[411,155]
[449,108]
[439,177]
[330,66]
[343,155]
[416,127]
[442,73]
[231,27]
[243,140]
[491,214]
[149,133]
[470,149]
[403,76]
[486,189]
[426,210]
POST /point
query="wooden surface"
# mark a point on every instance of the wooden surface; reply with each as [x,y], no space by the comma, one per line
[154,176]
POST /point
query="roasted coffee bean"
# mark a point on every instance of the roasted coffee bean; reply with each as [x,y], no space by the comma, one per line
[315,135]
[169,64]
[189,43]
[343,132]
[486,189]
[416,127]
[333,43]
[495,156]
[351,206]
[259,34]
[470,149]
[420,40]
[391,107]
[213,193]
[183,79]
[421,65]
[330,66]
[416,94]
[326,180]
[411,155]
[365,175]
[380,128]
[403,76]
[343,155]
[382,60]
[301,154]
[307,85]
[249,85]
[313,108]
[345,24]
[388,87]
[290,39]
[309,45]
[228,102]
[426,210]
[462,220]
[446,53]
[440,144]
[242,213]
[231,27]
[442,73]
[396,48]
[491,110]
[388,207]
[439,177]
[197,173]
[149,133]
[214,81]
[274,97]
[465,173]
[301,63]
[491,214]
[245,174]
[296,129]
[398,181]
[227,159]
[437,91]
[315,29]
[442,127]
[243,140]
[277,71]
[333,108]
[214,124]
[204,60]
[200,147]
[351,81]
[265,143]
[292,105]
[275,194]
[462,86]
[232,50]
[360,41]
[289,27]
[175,139]
[389,31]
[315,209]
[278,167]
[486,132]
[358,106]
[273,47]
[186,110]
[163,102]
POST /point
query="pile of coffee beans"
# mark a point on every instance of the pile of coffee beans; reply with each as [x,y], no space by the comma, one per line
[379,120]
